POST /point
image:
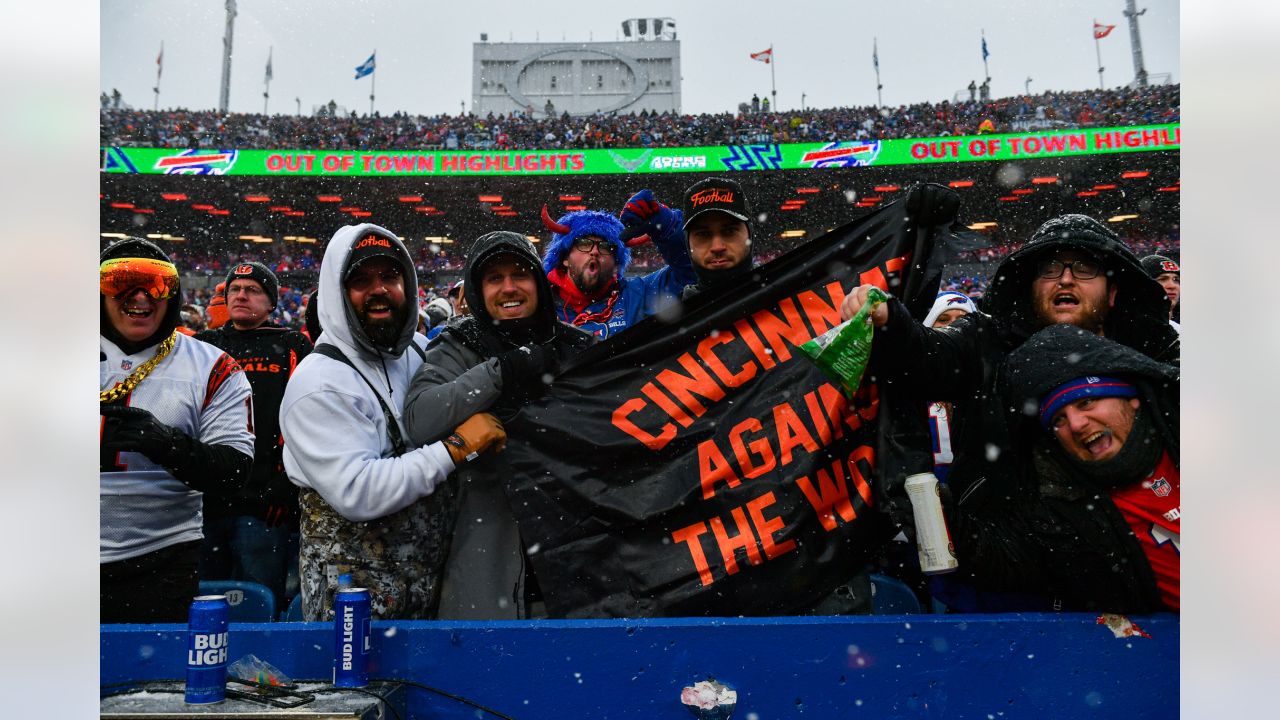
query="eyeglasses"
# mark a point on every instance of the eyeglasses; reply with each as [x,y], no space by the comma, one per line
[1080,269]
[586,243]
[120,275]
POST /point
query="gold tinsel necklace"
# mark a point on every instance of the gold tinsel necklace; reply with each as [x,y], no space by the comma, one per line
[126,386]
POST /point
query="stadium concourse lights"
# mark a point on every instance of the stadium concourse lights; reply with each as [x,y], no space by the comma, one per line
[299,239]
[120,236]
[792,233]
[983,225]
[256,238]
[533,238]
[441,239]
[1121,218]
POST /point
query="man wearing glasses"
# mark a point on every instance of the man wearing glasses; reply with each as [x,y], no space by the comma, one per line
[176,423]
[1073,270]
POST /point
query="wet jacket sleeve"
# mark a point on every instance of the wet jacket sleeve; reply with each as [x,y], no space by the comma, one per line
[336,444]
[451,386]
[940,365]
[678,273]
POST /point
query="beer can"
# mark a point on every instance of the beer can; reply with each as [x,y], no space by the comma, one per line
[352,611]
[207,650]
[933,539]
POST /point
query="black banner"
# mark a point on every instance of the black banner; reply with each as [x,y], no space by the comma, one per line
[701,465]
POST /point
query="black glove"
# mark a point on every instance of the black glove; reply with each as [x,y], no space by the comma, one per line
[898,507]
[282,507]
[930,204]
[526,370]
[132,429]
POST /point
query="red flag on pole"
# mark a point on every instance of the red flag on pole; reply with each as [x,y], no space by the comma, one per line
[1100,31]
[764,56]
[160,60]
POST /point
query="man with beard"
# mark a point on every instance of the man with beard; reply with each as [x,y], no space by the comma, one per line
[252,534]
[1073,270]
[176,423]
[586,262]
[496,359]
[1096,525]
[373,508]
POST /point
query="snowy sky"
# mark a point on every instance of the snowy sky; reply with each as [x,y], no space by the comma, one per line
[929,49]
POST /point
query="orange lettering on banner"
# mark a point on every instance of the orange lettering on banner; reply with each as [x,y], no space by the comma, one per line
[713,467]
[769,527]
[622,421]
[791,432]
[689,536]
[822,316]
[759,447]
[683,387]
[652,392]
[744,540]
[830,498]
[722,373]
[790,326]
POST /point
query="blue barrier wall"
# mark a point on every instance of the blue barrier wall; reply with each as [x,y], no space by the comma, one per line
[918,666]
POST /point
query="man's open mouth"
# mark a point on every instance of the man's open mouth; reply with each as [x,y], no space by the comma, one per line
[1065,300]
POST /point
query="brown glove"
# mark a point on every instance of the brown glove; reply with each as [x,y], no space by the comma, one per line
[475,435]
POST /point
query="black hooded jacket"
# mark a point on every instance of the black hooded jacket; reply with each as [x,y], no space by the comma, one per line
[1058,532]
[963,363]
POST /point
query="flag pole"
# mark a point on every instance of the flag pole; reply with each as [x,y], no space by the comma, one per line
[159,69]
[773,80]
[1098,52]
[875,54]
[266,90]
[373,82]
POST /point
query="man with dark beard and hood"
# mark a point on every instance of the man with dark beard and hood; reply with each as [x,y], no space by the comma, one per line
[373,508]
[586,262]
[495,359]
[717,228]
[1096,522]
[176,422]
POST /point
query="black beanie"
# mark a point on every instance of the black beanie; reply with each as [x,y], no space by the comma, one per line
[1157,265]
[258,272]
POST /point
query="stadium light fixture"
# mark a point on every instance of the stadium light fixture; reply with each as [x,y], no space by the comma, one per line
[490,198]
[960,183]
[279,208]
[256,198]
[426,208]
[155,236]
[145,211]
[1121,218]
[295,213]
[792,233]
[984,225]
[886,188]
[507,213]
[202,207]
[122,205]
[1134,174]
[173,196]
[1171,188]
[792,207]
[1105,186]
[1047,180]
[1010,198]
[361,213]
[533,238]
[219,212]
[1023,191]
[120,236]
[872,199]
[1087,193]
[329,198]
[349,208]
[411,198]
[500,208]
[806,190]
[570,198]
[575,208]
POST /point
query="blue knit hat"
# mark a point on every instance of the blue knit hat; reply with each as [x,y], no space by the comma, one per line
[576,224]
[1081,387]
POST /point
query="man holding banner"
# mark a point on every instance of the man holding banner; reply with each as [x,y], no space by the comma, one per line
[495,360]
[708,468]
[1073,270]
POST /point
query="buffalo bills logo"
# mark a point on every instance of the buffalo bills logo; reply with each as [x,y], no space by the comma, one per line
[956,300]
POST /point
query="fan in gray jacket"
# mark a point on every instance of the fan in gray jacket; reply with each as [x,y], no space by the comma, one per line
[496,360]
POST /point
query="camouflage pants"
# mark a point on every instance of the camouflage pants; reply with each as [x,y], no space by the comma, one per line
[398,558]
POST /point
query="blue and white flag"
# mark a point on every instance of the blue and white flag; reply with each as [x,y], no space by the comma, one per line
[875,54]
[985,54]
[367,67]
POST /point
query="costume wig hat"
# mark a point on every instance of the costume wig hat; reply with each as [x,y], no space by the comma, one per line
[578,224]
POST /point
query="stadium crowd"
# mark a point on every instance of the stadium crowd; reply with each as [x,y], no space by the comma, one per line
[1069,327]
[180,128]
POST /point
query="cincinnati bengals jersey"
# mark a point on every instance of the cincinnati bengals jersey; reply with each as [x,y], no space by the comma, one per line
[197,389]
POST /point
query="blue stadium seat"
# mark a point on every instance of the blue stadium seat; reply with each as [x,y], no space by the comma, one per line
[294,612]
[890,596]
[250,601]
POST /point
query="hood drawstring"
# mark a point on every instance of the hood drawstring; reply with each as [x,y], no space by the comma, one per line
[385,375]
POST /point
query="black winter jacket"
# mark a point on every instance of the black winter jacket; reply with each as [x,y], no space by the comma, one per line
[1056,532]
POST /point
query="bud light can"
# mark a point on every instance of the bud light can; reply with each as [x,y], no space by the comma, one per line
[352,612]
[207,650]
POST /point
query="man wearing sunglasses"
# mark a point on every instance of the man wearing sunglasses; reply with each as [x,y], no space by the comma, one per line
[1073,270]
[176,422]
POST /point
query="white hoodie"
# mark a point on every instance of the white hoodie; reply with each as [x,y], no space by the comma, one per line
[334,428]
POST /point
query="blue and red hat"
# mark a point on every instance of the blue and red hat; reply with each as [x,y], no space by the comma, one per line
[1072,390]
[577,224]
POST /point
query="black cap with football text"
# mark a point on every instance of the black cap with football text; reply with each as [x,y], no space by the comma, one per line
[715,194]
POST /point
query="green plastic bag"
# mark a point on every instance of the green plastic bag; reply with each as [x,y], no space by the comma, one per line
[842,352]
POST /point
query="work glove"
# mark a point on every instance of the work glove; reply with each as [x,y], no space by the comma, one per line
[644,218]
[282,507]
[526,370]
[132,429]
[476,434]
